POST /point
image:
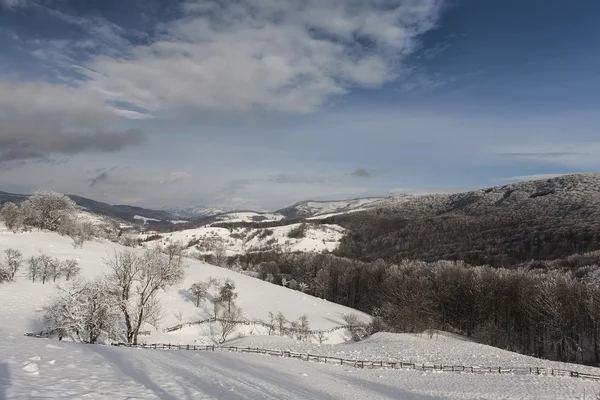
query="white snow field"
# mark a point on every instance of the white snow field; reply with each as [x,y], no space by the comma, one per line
[317,238]
[32,368]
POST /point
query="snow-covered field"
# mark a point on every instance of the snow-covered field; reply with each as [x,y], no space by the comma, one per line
[43,368]
[317,238]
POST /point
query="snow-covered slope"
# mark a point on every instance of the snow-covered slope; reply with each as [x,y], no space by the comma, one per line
[322,314]
[312,208]
[43,368]
[249,216]
[209,239]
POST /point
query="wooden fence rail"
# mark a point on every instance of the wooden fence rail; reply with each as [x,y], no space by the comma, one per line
[357,363]
[253,322]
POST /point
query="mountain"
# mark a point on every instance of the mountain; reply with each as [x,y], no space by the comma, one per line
[123,212]
[502,226]
[195,212]
[311,208]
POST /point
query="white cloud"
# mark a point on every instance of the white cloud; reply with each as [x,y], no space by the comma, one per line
[174,177]
[284,55]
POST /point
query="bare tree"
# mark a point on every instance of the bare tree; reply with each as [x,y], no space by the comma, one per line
[220,255]
[228,319]
[125,268]
[227,293]
[271,323]
[143,275]
[303,328]
[70,268]
[357,329]
[198,292]
[281,320]
[79,231]
[55,269]
[321,336]
[48,266]
[14,260]
[34,268]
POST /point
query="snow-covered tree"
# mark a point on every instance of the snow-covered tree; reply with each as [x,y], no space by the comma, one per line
[34,268]
[281,321]
[228,319]
[303,327]
[48,267]
[137,280]
[227,293]
[70,268]
[47,210]
[12,216]
[79,231]
[13,261]
[85,311]
[198,292]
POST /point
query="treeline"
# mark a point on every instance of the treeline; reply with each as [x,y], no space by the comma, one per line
[552,314]
[501,226]
[498,240]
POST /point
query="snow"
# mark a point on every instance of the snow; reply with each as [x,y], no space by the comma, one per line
[145,219]
[318,238]
[249,216]
[51,369]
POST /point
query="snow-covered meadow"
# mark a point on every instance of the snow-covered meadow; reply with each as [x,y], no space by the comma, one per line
[46,368]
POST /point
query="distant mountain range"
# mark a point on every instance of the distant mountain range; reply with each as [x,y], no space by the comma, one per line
[195,212]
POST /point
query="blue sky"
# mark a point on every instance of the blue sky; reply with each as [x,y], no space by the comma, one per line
[262,103]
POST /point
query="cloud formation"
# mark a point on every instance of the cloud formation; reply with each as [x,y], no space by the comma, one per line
[174,177]
[285,56]
[40,120]
[361,173]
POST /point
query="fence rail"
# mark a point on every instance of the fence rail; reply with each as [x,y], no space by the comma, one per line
[357,363]
[254,322]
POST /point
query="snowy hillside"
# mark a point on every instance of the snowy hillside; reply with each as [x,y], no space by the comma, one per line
[311,208]
[209,239]
[249,216]
[34,368]
[323,315]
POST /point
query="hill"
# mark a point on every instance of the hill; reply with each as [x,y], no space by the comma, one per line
[119,212]
[501,226]
[33,368]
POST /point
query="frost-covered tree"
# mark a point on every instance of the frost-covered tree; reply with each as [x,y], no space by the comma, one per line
[12,216]
[70,268]
[85,311]
[227,294]
[47,267]
[34,268]
[13,262]
[281,321]
[137,280]
[228,319]
[198,293]
[303,328]
[79,231]
[47,209]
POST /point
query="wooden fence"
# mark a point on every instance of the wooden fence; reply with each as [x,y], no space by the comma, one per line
[356,363]
[257,322]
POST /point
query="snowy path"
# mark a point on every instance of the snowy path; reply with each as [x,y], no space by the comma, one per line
[47,369]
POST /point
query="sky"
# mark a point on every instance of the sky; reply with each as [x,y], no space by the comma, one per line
[258,104]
